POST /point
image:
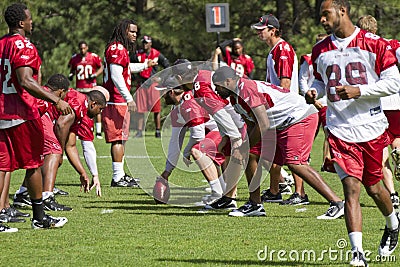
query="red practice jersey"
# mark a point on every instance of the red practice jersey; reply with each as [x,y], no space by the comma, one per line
[204,92]
[142,56]
[79,104]
[282,63]
[243,65]
[84,67]
[15,102]
[116,53]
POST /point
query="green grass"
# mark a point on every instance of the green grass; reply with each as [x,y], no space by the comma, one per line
[136,232]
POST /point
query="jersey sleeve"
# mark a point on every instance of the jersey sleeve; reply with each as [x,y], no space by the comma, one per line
[26,55]
[117,54]
[251,96]
[284,61]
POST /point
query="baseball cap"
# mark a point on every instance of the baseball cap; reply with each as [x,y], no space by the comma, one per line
[267,21]
[146,39]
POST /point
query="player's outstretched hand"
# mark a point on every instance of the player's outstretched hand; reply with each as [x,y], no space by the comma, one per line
[96,184]
[85,183]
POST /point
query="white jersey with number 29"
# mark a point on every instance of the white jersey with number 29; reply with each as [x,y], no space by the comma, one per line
[363,60]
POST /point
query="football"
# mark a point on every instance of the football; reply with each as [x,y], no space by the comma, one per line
[161,191]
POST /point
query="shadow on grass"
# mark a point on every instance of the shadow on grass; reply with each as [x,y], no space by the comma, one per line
[248,262]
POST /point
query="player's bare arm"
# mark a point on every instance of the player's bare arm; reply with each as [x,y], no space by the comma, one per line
[73,157]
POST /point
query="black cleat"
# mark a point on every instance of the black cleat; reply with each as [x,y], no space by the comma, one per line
[58,191]
[13,212]
[126,181]
[49,222]
[50,203]
[22,200]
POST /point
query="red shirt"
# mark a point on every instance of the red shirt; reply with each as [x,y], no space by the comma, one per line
[154,53]
[84,67]
[243,64]
[15,102]
[116,53]
[79,104]
[205,94]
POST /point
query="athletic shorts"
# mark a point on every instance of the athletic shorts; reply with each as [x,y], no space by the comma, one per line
[85,129]
[21,146]
[51,143]
[115,120]
[148,99]
[393,117]
[209,146]
[360,160]
[289,146]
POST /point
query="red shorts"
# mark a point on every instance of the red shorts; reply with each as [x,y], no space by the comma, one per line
[148,99]
[393,117]
[51,143]
[209,146]
[85,129]
[21,146]
[360,160]
[115,120]
[291,145]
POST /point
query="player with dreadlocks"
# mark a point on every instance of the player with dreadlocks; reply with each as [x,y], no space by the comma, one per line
[117,80]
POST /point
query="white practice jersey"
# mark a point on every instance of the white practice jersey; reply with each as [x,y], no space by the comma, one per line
[363,60]
[284,108]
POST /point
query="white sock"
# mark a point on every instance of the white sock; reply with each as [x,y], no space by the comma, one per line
[118,171]
[21,189]
[222,183]
[98,127]
[216,186]
[47,194]
[391,221]
[356,241]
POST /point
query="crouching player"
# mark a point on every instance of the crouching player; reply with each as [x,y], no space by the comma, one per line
[187,114]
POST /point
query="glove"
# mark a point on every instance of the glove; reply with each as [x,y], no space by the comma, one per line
[71,76]
[92,76]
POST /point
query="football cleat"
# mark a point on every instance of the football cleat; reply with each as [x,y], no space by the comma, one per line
[358,258]
[335,211]
[49,222]
[223,203]
[13,212]
[267,196]
[248,209]
[58,191]
[5,229]
[50,203]
[22,200]
[126,181]
[388,242]
[296,200]
[5,218]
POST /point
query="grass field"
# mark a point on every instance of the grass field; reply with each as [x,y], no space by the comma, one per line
[125,228]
